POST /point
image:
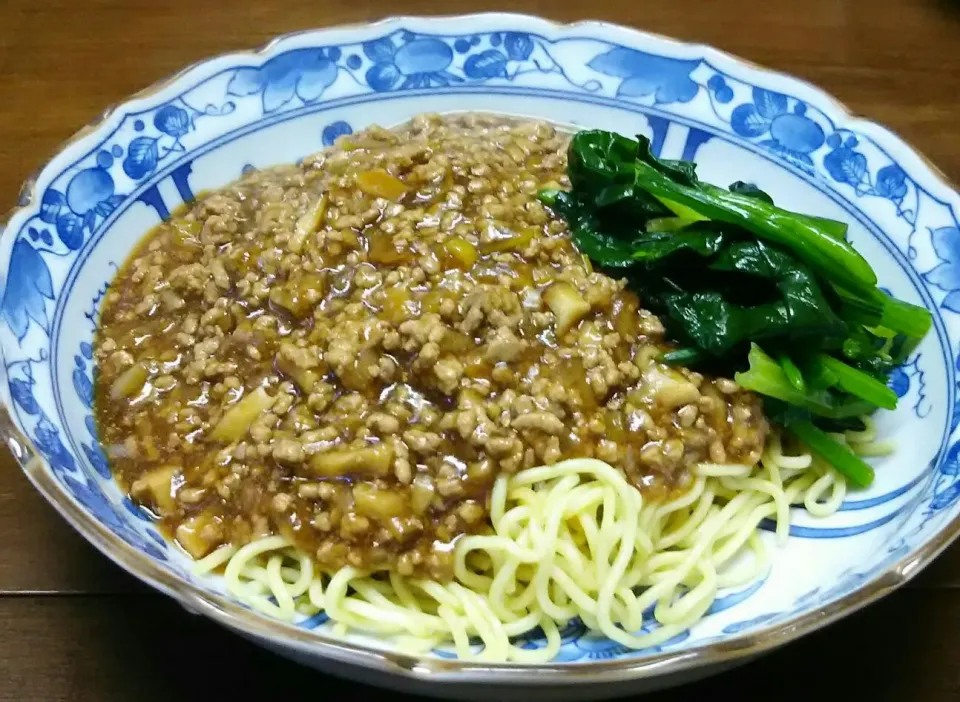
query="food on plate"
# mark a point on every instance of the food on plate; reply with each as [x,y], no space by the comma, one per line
[729,273]
[415,382]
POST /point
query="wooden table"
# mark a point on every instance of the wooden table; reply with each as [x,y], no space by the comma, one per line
[74,627]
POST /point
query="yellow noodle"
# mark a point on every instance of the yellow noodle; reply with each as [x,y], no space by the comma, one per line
[573,539]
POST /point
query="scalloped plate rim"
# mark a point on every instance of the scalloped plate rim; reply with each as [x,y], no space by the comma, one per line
[227,613]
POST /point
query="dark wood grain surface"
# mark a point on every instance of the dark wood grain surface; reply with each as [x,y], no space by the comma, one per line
[73,627]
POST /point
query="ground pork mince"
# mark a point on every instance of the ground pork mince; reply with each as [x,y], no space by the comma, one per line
[350,350]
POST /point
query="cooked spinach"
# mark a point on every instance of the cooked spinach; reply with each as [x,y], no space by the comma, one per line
[726,269]
[702,311]
[750,190]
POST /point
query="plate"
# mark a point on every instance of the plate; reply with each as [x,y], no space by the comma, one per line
[79,218]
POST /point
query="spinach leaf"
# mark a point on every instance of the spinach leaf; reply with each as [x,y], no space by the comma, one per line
[602,249]
[588,236]
[598,159]
[711,320]
[655,247]
[682,172]
[601,171]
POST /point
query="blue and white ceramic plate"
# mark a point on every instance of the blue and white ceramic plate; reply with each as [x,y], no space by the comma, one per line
[78,219]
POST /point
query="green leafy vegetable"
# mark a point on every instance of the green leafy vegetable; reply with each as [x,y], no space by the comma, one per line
[601,171]
[858,383]
[667,224]
[836,454]
[703,308]
[900,316]
[793,373]
[750,190]
[766,377]
[836,229]
[728,270]
[683,357]
[833,258]
[655,247]
[602,248]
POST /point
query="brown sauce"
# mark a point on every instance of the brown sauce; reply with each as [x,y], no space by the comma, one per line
[349,351]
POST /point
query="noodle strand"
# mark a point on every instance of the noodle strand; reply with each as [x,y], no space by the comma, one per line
[573,539]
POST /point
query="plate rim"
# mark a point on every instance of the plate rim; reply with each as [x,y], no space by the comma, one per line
[230,614]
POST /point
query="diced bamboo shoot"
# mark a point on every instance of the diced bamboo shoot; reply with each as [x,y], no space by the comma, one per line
[193,536]
[306,379]
[130,382]
[667,388]
[524,276]
[515,242]
[373,461]
[384,249]
[627,321]
[299,365]
[396,305]
[463,253]
[567,305]
[236,421]
[421,493]
[300,295]
[379,183]
[156,489]
[307,224]
[381,505]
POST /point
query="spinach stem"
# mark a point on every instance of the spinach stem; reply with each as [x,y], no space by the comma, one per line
[793,373]
[833,258]
[682,357]
[858,383]
[845,461]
